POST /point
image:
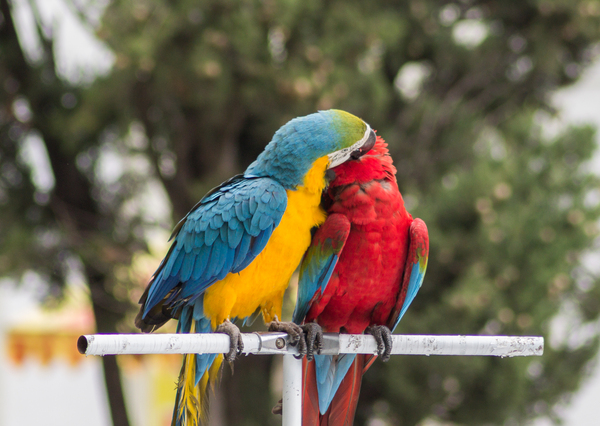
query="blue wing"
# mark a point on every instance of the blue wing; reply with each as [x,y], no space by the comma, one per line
[319,262]
[223,233]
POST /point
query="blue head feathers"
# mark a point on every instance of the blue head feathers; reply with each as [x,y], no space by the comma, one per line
[300,142]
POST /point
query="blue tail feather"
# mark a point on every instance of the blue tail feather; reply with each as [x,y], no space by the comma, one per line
[330,371]
[202,325]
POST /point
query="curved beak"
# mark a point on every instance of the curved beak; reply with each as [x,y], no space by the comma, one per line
[355,151]
[369,144]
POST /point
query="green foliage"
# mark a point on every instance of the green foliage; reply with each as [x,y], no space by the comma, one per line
[511,210]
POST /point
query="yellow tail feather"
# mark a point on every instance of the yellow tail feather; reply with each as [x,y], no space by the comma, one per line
[213,371]
[192,399]
[188,395]
[202,391]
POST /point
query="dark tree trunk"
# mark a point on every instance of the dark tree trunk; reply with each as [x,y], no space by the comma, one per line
[72,203]
[107,318]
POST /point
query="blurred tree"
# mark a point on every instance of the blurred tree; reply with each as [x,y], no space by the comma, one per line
[59,213]
[460,90]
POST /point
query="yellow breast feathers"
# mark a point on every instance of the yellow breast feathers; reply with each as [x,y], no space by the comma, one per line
[264,281]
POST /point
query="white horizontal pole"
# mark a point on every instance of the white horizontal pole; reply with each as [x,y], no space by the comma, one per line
[276,343]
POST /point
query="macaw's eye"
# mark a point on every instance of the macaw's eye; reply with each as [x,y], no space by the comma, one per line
[329,175]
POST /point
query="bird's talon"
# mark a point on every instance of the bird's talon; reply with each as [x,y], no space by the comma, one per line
[278,409]
[295,334]
[383,337]
[235,338]
[313,335]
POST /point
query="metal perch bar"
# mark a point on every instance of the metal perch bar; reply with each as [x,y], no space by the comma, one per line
[276,343]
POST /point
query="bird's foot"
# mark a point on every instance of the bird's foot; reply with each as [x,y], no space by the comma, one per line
[278,409]
[383,337]
[308,337]
[295,334]
[235,337]
[313,335]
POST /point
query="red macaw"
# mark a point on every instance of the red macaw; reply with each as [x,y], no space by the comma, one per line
[364,267]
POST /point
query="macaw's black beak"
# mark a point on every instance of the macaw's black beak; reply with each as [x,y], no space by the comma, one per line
[370,143]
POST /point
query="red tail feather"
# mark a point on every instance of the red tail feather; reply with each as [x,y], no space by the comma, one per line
[310,398]
[343,406]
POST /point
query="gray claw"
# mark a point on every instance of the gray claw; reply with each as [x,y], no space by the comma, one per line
[235,337]
[383,336]
[295,333]
[313,335]
[278,409]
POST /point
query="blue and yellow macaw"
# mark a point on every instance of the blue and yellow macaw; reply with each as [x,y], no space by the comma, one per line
[236,250]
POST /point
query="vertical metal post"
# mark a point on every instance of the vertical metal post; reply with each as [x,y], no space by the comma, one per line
[292,391]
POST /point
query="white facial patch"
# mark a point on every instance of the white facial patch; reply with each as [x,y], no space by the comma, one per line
[338,157]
